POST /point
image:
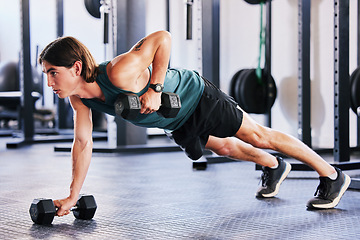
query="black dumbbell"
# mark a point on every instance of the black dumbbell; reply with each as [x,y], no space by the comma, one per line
[129,106]
[42,211]
[170,105]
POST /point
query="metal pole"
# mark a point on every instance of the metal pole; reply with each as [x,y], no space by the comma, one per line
[27,102]
[60,18]
[267,67]
[168,15]
[341,81]
[61,105]
[130,29]
[304,83]
[189,22]
[211,40]
[358,64]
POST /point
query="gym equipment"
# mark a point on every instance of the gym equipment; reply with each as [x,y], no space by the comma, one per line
[93,7]
[255,1]
[252,94]
[128,106]
[355,89]
[42,211]
[210,41]
[262,74]
[189,11]
[170,105]
[341,150]
[10,94]
[255,89]
[9,77]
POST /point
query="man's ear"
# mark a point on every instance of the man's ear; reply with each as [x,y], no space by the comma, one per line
[78,68]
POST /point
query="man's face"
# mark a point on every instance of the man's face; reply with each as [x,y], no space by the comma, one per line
[60,79]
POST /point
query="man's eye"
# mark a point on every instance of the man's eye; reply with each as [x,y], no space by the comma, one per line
[53,74]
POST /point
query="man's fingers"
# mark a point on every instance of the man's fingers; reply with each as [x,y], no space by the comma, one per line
[57,203]
[61,213]
[146,110]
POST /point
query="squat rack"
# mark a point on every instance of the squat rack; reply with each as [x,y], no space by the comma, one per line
[341,151]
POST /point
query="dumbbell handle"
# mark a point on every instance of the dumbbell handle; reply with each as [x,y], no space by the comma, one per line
[166,101]
[71,209]
[132,113]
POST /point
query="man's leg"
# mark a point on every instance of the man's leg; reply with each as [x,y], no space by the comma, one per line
[239,150]
[267,138]
[275,170]
[333,183]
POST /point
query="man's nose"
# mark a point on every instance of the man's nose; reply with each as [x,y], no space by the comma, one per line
[50,82]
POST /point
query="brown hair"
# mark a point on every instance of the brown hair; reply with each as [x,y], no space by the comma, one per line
[65,51]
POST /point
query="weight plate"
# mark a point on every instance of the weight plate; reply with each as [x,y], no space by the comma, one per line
[254,96]
[255,1]
[355,90]
[93,7]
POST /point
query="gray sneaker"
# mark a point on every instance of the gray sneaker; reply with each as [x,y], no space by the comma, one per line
[272,178]
[329,192]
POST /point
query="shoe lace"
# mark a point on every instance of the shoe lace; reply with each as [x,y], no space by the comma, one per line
[265,178]
[322,188]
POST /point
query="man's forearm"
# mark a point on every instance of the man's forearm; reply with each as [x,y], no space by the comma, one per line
[81,158]
[161,58]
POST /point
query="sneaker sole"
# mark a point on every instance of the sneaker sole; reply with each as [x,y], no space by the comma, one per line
[337,199]
[283,176]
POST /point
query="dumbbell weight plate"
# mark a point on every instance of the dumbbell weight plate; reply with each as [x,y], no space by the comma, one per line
[42,211]
[170,105]
[127,106]
[85,207]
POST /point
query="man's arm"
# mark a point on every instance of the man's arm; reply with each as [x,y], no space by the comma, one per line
[81,154]
[151,100]
[128,68]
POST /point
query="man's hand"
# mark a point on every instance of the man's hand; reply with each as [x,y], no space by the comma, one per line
[150,102]
[64,206]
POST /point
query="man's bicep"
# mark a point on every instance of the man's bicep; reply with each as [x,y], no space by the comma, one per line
[82,119]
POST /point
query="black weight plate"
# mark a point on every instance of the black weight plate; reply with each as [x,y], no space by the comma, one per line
[93,7]
[255,96]
[355,89]
[237,88]
[271,90]
[233,83]
[255,1]
[252,92]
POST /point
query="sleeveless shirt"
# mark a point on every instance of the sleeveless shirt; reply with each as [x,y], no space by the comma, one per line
[186,83]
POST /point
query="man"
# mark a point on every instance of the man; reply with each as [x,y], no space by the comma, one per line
[208,118]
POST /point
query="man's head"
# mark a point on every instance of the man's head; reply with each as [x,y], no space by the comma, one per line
[65,51]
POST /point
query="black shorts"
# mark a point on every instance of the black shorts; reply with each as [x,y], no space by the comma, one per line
[217,114]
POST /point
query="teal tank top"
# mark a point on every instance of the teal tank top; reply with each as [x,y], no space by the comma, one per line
[187,84]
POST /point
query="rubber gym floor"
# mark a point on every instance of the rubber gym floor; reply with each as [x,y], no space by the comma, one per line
[161,196]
